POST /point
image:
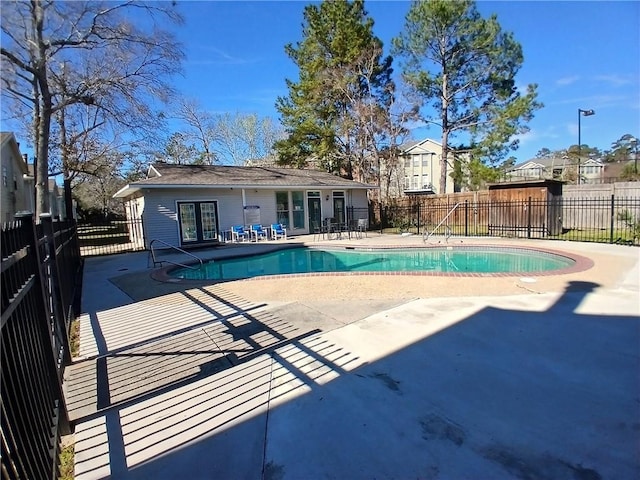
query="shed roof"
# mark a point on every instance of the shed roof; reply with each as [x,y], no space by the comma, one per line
[163,175]
[525,183]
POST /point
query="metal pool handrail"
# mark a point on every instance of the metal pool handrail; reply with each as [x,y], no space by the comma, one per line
[426,236]
[153,255]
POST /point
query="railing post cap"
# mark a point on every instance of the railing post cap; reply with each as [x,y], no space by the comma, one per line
[23,215]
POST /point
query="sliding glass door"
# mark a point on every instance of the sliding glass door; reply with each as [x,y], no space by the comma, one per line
[290,209]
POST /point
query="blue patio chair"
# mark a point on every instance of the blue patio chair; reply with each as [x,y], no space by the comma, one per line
[278,231]
[238,232]
[258,231]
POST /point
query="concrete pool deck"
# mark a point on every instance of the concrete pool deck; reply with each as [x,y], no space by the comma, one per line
[360,376]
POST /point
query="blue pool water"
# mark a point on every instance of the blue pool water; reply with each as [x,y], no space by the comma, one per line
[308,260]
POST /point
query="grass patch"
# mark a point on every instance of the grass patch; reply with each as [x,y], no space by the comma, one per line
[597,236]
[67,455]
[67,447]
[74,338]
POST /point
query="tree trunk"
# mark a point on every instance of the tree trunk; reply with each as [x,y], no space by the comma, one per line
[445,137]
[42,155]
[44,121]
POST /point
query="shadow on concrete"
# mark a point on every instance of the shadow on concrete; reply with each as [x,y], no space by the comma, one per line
[502,393]
[137,363]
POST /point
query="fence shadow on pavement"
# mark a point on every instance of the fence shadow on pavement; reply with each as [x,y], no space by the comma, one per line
[218,354]
[511,391]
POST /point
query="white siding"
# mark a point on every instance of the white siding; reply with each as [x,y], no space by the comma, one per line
[266,200]
[133,208]
[359,199]
[230,208]
[12,189]
[159,217]
[158,208]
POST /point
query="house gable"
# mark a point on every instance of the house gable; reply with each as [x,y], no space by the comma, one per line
[425,146]
[593,162]
[8,143]
[153,172]
[529,165]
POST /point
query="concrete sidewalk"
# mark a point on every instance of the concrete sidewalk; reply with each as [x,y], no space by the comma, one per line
[205,383]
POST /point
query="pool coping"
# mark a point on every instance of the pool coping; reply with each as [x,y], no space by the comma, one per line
[581,263]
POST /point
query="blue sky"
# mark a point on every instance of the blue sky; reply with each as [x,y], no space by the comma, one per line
[581,54]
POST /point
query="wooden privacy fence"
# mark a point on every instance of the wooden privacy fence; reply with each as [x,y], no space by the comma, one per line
[603,220]
[41,275]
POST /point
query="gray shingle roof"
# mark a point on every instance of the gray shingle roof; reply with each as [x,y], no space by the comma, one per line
[545,161]
[230,176]
[246,176]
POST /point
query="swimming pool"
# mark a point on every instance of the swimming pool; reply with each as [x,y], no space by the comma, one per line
[446,260]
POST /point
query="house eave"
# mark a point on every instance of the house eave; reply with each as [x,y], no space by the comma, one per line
[130,189]
[420,191]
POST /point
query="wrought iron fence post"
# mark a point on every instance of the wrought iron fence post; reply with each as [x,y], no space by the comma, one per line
[62,425]
[418,232]
[613,216]
[466,218]
[529,218]
[58,316]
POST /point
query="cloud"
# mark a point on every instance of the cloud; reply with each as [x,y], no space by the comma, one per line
[615,80]
[527,137]
[214,56]
[537,135]
[564,81]
[595,101]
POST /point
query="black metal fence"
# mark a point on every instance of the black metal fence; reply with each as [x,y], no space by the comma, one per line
[104,238]
[41,276]
[354,214]
[603,220]
[119,236]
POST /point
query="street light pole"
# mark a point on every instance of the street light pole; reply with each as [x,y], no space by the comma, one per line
[586,113]
[634,142]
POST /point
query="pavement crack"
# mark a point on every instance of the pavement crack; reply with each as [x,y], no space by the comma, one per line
[267,469]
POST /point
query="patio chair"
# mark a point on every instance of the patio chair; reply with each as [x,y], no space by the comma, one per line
[319,230]
[278,231]
[258,232]
[238,232]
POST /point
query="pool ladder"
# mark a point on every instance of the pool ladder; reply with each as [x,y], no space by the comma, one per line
[152,255]
[448,232]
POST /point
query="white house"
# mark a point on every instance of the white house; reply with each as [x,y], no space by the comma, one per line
[186,205]
[17,190]
[558,168]
[15,193]
[417,171]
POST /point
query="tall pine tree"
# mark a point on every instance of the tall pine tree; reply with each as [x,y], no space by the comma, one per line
[464,67]
[344,89]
